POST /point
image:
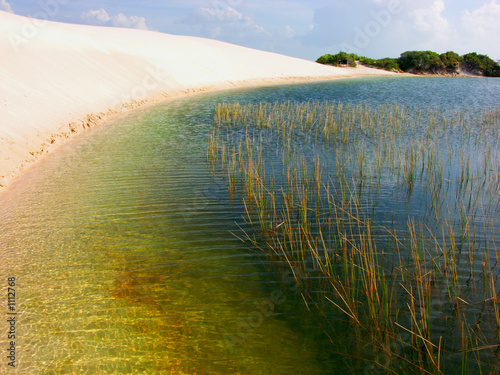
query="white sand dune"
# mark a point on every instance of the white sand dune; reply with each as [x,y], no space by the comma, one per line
[56,79]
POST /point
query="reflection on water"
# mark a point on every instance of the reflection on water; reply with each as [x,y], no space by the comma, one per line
[121,246]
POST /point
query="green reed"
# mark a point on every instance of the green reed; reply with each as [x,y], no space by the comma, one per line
[421,295]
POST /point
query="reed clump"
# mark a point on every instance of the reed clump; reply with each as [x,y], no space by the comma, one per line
[386,216]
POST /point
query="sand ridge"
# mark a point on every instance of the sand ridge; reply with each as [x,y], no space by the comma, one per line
[68,77]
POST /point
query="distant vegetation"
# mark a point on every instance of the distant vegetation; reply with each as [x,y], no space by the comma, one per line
[421,62]
[482,63]
[341,58]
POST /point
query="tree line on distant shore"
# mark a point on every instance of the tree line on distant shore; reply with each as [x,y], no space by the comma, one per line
[422,62]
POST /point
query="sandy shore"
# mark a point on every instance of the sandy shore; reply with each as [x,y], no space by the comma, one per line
[58,79]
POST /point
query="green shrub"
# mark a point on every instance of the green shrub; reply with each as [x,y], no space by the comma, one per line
[341,58]
[451,60]
[481,64]
[421,61]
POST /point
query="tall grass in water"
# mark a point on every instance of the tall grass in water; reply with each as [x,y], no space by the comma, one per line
[386,216]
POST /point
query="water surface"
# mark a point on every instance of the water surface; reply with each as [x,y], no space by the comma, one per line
[121,245]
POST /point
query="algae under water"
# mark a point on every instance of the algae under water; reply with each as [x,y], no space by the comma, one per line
[124,262]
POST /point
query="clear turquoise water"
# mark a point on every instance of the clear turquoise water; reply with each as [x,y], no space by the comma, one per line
[122,247]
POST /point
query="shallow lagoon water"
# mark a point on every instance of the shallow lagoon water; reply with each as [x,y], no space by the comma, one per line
[121,246]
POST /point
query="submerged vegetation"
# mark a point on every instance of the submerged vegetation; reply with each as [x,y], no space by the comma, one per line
[387,217]
[422,62]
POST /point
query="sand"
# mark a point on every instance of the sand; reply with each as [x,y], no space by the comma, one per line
[58,79]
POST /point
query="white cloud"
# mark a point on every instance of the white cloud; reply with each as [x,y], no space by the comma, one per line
[480,29]
[384,28]
[223,14]
[102,18]
[95,17]
[224,21]
[430,18]
[131,22]
[5,6]
[483,21]
[232,18]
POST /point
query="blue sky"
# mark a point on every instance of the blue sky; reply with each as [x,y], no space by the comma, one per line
[300,28]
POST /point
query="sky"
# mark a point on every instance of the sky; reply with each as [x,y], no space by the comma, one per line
[300,28]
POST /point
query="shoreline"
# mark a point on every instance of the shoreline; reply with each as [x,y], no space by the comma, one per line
[72,129]
[70,77]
